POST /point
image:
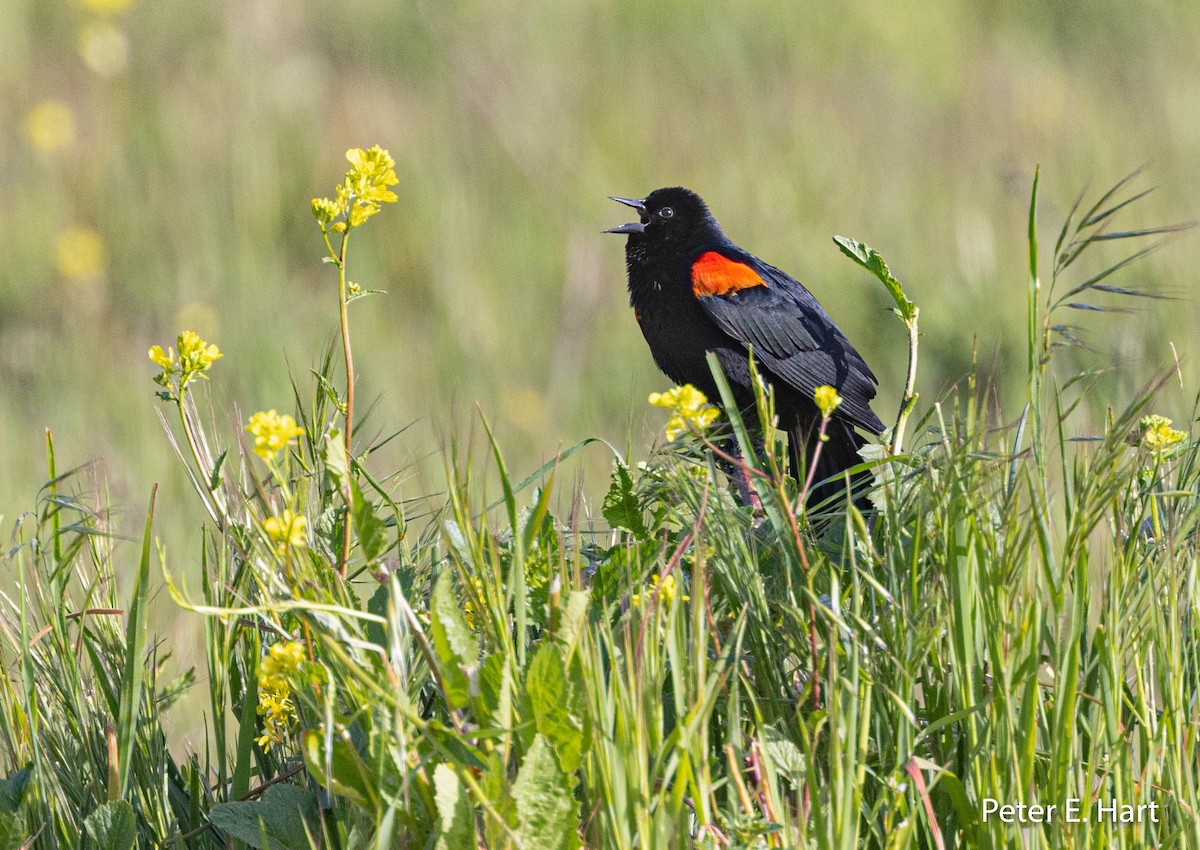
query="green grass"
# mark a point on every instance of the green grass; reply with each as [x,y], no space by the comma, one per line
[510,664]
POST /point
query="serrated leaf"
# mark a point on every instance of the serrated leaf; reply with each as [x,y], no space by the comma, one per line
[558,706]
[112,826]
[869,259]
[371,531]
[456,817]
[214,480]
[337,465]
[783,753]
[452,640]
[12,789]
[363,293]
[276,822]
[620,506]
[546,808]
[574,615]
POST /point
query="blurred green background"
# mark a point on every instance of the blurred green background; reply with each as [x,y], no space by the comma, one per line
[157,159]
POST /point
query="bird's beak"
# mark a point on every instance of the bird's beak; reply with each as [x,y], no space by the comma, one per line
[634,226]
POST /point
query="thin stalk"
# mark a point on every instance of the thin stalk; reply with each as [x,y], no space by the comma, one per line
[343,563]
[909,400]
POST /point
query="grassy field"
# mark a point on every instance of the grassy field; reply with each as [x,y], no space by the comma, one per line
[913,126]
[454,637]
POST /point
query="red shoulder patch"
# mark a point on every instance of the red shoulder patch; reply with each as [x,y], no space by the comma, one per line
[716,274]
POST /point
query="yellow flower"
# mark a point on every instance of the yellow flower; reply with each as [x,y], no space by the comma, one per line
[287,530]
[689,406]
[827,399]
[196,355]
[194,359]
[664,588]
[79,253]
[275,704]
[50,126]
[360,193]
[1159,435]
[165,360]
[272,432]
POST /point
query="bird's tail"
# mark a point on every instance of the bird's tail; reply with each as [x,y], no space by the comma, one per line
[838,454]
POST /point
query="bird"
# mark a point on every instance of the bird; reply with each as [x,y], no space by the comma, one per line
[694,291]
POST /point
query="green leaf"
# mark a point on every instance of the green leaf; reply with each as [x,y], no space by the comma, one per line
[135,648]
[558,706]
[546,806]
[371,530]
[214,480]
[574,616]
[12,789]
[620,506]
[452,640]
[337,465]
[363,293]
[456,827]
[12,833]
[784,753]
[112,826]
[869,259]
[351,778]
[281,820]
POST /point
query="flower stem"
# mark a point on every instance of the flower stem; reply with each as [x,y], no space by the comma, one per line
[343,563]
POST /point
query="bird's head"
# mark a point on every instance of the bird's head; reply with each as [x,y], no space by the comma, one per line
[669,221]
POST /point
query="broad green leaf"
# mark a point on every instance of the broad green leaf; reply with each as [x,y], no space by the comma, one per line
[112,826]
[620,506]
[452,640]
[372,533]
[351,777]
[456,817]
[276,822]
[783,753]
[12,833]
[546,808]
[869,259]
[558,706]
[574,616]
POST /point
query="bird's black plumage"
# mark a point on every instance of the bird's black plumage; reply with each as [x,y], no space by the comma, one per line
[694,291]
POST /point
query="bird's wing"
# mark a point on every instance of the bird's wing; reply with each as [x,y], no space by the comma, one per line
[764,308]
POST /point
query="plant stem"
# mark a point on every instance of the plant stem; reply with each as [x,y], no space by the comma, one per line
[343,563]
[909,400]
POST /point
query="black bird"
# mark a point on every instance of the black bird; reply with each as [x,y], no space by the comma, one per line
[694,291]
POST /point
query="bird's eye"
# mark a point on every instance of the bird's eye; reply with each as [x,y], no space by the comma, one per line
[666,212]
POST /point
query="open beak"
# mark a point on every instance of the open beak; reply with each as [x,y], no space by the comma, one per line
[634,226]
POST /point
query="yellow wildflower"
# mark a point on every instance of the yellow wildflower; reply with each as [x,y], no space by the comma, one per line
[1159,435]
[79,253]
[664,588]
[196,355]
[165,360]
[826,399]
[50,126]
[360,193]
[287,530]
[689,406]
[272,432]
[275,704]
